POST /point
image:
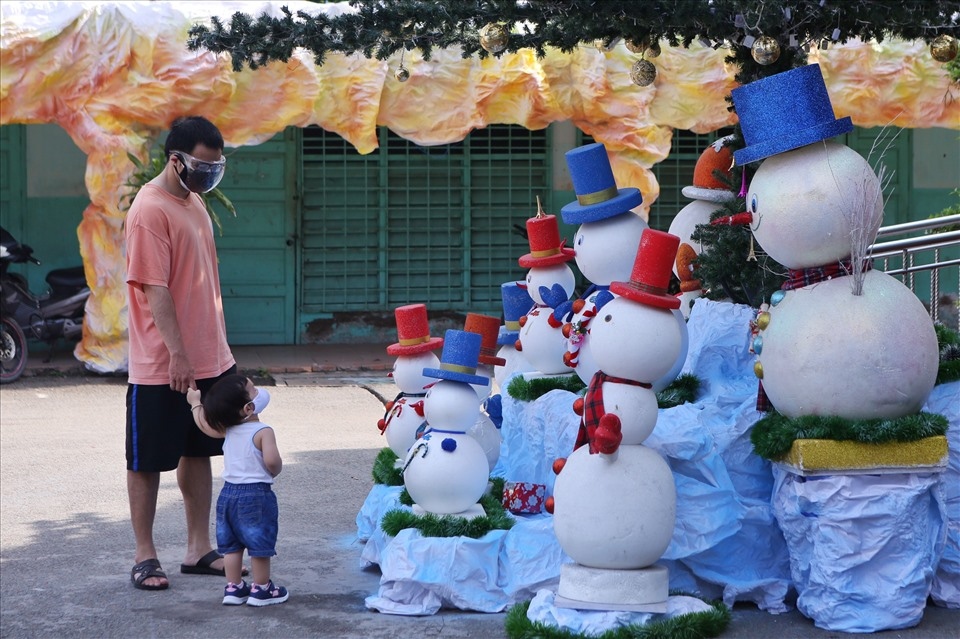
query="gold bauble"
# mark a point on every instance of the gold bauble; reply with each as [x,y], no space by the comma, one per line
[643,47]
[494,37]
[758,369]
[943,48]
[763,320]
[643,73]
[401,74]
[765,50]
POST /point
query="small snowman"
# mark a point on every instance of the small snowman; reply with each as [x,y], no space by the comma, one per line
[446,470]
[516,303]
[550,282]
[485,431]
[839,339]
[614,502]
[404,418]
[605,247]
[708,193]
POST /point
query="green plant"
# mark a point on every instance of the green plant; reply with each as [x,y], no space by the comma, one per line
[953,209]
[151,168]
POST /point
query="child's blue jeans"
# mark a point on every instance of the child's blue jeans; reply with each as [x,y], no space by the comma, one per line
[247,519]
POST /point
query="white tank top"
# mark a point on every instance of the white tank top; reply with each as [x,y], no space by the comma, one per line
[242,460]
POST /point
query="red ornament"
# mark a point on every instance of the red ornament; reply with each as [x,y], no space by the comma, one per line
[558,464]
[578,406]
[548,505]
[388,406]
[523,321]
[518,345]
[570,359]
[553,321]
[578,305]
[382,425]
[567,328]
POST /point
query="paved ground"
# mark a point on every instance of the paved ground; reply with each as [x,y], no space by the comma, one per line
[66,544]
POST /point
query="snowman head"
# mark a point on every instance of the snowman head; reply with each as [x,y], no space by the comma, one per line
[809,204]
[605,249]
[408,372]
[451,405]
[548,277]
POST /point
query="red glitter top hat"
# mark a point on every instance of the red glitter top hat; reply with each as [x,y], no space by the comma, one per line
[651,271]
[488,328]
[546,249]
[717,157]
[413,332]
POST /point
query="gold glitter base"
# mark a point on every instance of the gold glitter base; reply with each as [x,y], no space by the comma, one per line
[832,457]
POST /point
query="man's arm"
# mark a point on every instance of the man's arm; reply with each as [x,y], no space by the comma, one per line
[165,317]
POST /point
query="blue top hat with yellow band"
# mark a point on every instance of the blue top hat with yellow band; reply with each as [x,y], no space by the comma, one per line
[516,303]
[597,194]
[784,112]
[458,362]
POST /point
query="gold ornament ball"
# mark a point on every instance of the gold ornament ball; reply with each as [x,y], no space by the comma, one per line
[494,37]
[643,47]
[643,73]
[765,50]
[943,48]
[401,74]
[763,320]
[758,369]
[653,50]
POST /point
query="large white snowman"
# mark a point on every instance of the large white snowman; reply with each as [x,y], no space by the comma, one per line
[614,501]
[836,340]
[446,471]
[484,430]
[404,417]
[550,282]
[709,193]
[516,303]
[605,247]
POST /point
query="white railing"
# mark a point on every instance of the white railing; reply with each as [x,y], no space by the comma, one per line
[908,250]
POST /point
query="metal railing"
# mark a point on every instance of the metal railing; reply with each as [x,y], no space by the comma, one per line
[908,250]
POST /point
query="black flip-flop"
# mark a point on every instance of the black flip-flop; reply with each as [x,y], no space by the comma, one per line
[204,566]
[143,571]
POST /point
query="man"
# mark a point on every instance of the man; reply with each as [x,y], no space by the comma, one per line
[177,341]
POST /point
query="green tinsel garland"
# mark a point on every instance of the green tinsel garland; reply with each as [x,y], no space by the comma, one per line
[773,435]
[385,470]
[431,525]
[695,625]
[527,390]
[681,390]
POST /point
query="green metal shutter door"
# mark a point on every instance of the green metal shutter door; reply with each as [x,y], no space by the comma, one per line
[888,147]
[12,179]
[412,224]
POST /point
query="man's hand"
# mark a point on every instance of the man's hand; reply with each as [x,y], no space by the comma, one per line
[181,373]
[165,317]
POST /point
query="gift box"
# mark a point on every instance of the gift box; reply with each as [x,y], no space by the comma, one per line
[523,497]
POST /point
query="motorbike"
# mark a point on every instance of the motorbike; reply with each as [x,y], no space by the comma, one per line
[23,315]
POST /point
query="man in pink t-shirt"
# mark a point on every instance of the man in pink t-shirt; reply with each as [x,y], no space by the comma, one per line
[178,341]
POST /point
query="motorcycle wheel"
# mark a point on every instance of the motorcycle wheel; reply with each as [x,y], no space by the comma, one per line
[13,351]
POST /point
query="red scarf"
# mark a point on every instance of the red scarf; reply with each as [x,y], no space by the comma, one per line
[593,407]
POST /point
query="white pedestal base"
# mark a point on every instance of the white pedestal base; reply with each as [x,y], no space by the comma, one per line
[473,511]
[642,590]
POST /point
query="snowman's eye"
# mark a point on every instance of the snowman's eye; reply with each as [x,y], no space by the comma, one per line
[607,317]
[529,278]
[753,204]
[579,240]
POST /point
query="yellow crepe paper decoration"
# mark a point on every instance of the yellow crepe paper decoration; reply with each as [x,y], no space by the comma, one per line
[114,75]
[819,456]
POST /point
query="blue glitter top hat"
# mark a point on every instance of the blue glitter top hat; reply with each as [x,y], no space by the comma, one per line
[516,303]
[783,112]
[597,195]
[458,362]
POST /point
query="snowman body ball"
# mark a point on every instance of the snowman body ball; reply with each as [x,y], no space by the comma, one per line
[839,339]
[614,502]
[550,282]
[404,419]
[446,471]
[484,430]
[516,303]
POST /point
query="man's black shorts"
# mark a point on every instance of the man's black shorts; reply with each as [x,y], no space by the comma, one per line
[160,427]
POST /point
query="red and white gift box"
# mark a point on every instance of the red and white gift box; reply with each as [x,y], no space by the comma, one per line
[520,497]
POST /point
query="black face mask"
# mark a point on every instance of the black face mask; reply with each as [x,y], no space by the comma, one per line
[197,175]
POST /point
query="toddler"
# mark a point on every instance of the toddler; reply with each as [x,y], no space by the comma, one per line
[247,506]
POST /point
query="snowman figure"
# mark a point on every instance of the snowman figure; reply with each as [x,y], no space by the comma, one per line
[708,193]
[605,247]
[446,470]
[550,282]
[516,303]
[614,501]
[485,430]
[839,339]
[404,418]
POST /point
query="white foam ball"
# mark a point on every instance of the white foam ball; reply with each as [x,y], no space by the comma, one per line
[606,250]
[451,405]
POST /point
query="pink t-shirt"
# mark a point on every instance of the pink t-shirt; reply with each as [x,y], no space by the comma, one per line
[170,243]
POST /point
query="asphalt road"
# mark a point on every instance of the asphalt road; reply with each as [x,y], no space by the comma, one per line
[66,547]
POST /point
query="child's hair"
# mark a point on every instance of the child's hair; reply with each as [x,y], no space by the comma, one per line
[223,403]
